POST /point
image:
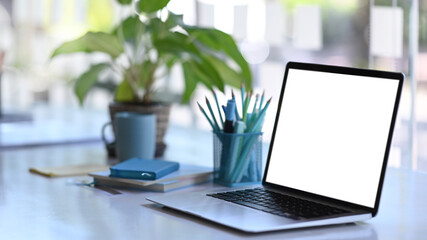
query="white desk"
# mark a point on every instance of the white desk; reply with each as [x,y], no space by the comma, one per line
[36,207]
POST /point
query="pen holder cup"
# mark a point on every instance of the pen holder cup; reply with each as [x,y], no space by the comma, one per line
[237,158]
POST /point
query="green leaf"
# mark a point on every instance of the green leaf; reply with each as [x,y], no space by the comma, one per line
[173,20]
[92,42]
[160,29]
[170,61]
[207,69]
[195,73]
[129,29]
[197,66]
[87,80]
[177,44]
[200,76]
[143,72]
[223,42]
[124,92]
[110,85]
[149,6]
[190,82]
[124,2]
[208,73]
[228,75]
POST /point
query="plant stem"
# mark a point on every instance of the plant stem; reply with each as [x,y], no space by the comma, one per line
[150,82]
[133,82]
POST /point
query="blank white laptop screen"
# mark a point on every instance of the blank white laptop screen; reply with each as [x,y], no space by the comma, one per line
[332,133]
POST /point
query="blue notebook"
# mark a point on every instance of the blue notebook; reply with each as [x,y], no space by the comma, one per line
[145,169]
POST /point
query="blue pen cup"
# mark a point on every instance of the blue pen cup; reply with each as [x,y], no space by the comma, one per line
[237,158]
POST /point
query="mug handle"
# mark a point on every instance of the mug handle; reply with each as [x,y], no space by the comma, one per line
[103,133]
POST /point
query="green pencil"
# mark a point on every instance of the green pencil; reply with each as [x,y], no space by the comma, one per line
[204,113]
[212,114]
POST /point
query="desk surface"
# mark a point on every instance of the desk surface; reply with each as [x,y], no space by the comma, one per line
[36,207]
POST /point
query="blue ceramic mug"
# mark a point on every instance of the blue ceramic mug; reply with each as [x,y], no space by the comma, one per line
[135,135]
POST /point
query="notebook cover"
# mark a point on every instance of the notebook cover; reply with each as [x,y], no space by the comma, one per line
[185,171]
[145,169]
[70,170]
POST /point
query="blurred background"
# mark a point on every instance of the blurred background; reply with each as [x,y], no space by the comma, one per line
[38,106]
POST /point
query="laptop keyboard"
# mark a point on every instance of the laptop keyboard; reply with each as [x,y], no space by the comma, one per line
[278,204]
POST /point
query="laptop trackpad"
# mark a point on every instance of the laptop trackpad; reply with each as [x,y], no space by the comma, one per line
[238,216]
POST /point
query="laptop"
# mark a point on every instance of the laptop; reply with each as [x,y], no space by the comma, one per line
[327,157]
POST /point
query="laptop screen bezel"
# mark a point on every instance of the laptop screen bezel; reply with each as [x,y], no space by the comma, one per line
[349,71]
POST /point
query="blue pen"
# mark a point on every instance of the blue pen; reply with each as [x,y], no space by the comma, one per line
[229,116]
[224,109]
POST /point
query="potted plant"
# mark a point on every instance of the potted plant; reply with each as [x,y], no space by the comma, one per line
[144,47]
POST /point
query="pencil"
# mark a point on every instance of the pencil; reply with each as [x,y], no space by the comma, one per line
[260,118]
[242,93]
[261,102]
[254,110]
[256,102]
[219,111]
[204,113]
[237,112]
[212,114]
[245,109]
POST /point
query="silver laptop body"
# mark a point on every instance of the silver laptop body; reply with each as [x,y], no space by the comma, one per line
[330,145]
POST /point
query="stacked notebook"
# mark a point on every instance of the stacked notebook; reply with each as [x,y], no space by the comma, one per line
[166,177]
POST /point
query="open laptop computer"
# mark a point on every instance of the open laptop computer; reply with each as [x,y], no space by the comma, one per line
[327,158]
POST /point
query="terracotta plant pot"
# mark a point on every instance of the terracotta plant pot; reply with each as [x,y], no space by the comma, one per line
[161,111]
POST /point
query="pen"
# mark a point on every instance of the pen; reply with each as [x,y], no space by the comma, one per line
[224,109]
[229,116]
